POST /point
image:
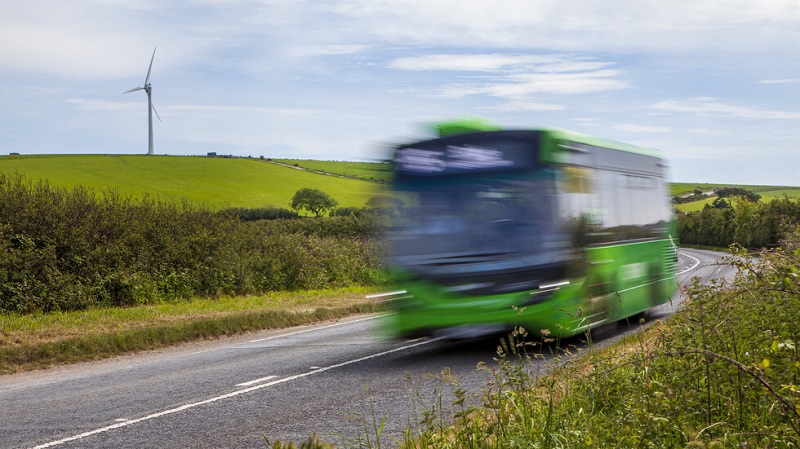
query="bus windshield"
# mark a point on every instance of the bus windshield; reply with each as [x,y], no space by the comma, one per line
[465,225]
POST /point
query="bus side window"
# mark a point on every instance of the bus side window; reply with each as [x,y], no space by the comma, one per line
[578,180]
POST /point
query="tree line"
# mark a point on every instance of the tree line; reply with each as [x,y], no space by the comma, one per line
[743,220]
[721,193]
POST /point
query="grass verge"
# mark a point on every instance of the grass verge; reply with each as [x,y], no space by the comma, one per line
[36,341]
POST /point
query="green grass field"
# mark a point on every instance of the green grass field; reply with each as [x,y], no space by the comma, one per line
[219,183]
[215,183]
[686,188]
[370,171]
[694,205]
[768,193]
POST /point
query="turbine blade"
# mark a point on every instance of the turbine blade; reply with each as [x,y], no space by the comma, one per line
[154,110]
[133,90]
[147,80]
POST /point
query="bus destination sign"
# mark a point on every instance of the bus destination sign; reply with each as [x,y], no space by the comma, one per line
[452,158]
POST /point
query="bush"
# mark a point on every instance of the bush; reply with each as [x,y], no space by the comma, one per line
[266,213]
[750,224]
[67,250]
[347,212]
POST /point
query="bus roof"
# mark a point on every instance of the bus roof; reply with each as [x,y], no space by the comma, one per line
[571,136]
[464,126]
[478,124]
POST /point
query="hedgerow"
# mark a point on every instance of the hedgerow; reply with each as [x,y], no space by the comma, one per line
[72,249]
[750,224]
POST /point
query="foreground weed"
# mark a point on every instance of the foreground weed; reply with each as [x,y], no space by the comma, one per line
[372,428]
[313,442]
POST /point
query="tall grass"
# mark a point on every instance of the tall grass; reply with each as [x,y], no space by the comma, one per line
[31,341]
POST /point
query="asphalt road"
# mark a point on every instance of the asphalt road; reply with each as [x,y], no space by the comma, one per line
[338,380]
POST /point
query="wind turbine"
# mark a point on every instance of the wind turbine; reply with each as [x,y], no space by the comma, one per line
[150,108]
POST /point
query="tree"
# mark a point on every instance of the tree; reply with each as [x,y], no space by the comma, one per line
[753,197]
[721,203]
[313,200]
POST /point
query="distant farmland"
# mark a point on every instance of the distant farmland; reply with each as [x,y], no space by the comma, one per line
[213,182]
[768,193]
[369,171]
[686,188]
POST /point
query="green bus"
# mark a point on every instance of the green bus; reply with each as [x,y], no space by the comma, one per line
[552,231]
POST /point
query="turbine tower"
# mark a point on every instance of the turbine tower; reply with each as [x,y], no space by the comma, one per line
[150,108]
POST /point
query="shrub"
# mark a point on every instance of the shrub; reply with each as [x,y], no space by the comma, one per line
[347,212]
[67,250]
[750,224]
[266,213]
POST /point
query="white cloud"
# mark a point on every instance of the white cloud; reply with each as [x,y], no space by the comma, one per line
[707,106]
[708,132]
[85,104]
[564,83]
[693,152]
[588,25]
[524,106]
[630,127]
[469,62]
[238,109]
[781,81]
[517,77]
[587,121]
[325,50]
[498,63]
[80,39]
[520,86]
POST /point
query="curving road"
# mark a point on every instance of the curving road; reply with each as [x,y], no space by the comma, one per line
[338,379]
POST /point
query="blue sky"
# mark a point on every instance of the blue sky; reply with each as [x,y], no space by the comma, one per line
[714,85]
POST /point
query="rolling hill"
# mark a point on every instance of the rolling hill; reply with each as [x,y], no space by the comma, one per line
[214,182]
[221,182]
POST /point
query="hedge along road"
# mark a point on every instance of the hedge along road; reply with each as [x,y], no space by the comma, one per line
[336,379]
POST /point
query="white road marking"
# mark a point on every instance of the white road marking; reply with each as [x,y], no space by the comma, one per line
[383,295]
[696,263]
[229,395]
[255,381]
